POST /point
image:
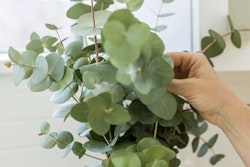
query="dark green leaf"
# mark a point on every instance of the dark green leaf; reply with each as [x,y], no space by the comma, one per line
[98,124]
[212,140]
[195,144]
[230,23]
[122,128]
[216,158]
[219,39]
[80,112]
[213,50]
[78,149]
[141,113]
[236,38]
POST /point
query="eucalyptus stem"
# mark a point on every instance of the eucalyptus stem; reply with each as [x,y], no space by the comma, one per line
[94,25]
[59,37]
[60,141]
[159,11]
[156,129]
[224,35]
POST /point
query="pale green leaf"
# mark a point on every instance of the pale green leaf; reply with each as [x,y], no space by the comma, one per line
[62,110]
[40,71]
[55,66]
[48,140]
[78,10]
[45,127]
[65,94]
[96,146]
[134,5]
[41,86]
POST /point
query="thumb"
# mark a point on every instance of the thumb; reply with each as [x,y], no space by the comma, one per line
[180,87]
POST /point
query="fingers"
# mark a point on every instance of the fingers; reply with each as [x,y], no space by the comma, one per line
[180,87]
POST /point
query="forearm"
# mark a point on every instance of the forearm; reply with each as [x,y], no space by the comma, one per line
[235,122]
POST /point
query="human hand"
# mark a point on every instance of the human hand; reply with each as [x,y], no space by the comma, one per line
[197,81]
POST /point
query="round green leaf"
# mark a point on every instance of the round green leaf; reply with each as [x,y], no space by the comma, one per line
[78,10]
[124,158]
[80,112]
[116,114]
[64,139]
[146,143]
[45,127]
[213,50]
[55,66]
[35,45]
[49,140]
[41,86]
[96,146]
[219,39]
[141,113]
[40,71]
[138,34]
[98,124]
[134,5]
[165,107]
[115,33]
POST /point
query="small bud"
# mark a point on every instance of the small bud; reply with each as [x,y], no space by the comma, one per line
[7,64]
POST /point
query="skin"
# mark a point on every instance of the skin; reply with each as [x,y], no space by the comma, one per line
[197,81]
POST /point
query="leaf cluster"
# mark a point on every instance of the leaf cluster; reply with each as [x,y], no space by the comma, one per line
[115,88]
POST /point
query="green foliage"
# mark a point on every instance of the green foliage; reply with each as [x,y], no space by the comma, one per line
[115,88]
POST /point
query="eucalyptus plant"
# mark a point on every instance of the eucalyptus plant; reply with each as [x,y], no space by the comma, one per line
[114,85]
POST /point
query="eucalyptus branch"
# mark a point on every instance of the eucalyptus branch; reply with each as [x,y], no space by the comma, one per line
[156,129]
[224,35]
[94,25]
[65,144]
[59,37]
